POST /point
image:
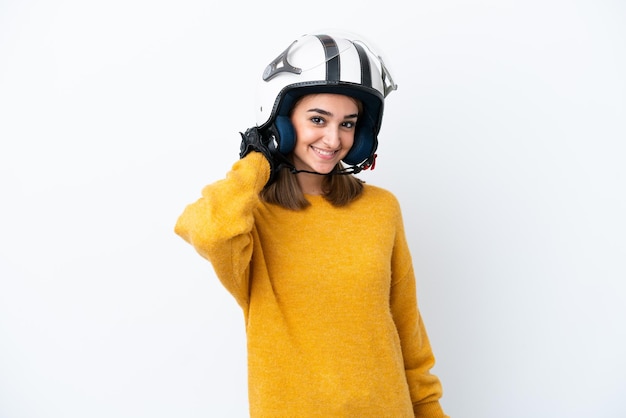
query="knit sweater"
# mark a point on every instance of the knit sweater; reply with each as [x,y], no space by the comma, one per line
[328,296]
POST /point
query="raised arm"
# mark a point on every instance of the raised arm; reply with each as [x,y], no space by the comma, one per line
[219,224]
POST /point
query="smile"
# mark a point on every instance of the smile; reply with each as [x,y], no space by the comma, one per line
[324,153]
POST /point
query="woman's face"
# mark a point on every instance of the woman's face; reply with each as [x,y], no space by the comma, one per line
[324,125]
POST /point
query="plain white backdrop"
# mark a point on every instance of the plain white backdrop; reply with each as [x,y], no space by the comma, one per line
[505,144]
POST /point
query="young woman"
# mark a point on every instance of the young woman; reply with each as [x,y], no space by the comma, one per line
[317,259]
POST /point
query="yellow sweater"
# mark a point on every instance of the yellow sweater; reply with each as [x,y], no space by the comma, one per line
[328,296]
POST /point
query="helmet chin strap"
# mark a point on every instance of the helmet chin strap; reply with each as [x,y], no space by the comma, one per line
[353,169]
[349,170]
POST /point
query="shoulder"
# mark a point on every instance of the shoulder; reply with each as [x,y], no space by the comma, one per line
[379,193]
[382,198]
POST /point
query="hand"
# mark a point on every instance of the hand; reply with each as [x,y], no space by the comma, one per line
[253,140]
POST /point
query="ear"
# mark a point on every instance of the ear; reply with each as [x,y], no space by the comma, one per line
[286,134]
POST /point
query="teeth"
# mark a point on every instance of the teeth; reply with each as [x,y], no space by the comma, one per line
[323,152]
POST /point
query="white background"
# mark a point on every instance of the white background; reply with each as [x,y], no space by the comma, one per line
[504,144]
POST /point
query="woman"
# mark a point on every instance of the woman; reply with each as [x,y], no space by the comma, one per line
[318,260]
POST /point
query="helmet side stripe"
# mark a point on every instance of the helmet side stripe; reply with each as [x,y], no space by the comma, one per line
[366,72]
[332,57]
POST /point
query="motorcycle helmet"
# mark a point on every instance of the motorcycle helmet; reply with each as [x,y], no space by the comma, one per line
[328,62]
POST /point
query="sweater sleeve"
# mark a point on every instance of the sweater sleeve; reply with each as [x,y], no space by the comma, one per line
[425,388]
[219,224]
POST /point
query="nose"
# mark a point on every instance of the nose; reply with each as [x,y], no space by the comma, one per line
[332,137]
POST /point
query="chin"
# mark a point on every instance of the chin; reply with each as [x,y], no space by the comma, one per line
[324,169]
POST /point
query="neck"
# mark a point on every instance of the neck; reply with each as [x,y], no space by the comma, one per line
[310,183]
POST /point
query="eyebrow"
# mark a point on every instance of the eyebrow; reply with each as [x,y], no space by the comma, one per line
[327,113]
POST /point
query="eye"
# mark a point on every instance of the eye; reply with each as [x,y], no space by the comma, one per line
[348,124]
[318,120]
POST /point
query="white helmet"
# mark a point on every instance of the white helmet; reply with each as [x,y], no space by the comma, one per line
[325,63]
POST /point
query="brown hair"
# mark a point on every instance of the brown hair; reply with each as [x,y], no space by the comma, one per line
[338,189]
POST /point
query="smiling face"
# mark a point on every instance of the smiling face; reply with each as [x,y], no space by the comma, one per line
[324,125]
